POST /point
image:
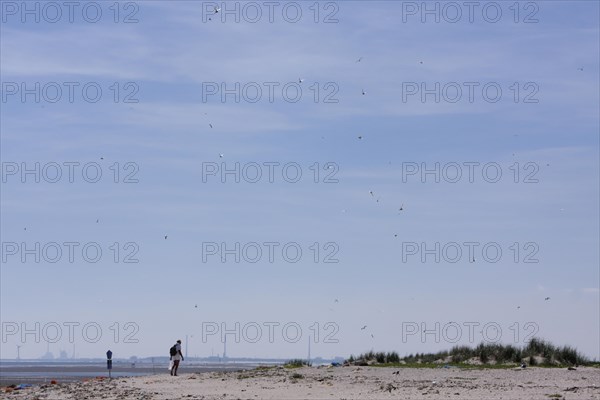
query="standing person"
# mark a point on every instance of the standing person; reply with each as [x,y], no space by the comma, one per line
[178,356]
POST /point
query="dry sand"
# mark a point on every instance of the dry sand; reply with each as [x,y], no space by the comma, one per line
[336,383]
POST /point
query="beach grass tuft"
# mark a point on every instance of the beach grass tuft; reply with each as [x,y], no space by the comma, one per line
[297,363]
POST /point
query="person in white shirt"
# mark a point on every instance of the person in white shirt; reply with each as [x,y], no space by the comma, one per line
[176,358]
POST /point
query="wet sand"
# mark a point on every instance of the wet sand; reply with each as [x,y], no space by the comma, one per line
[64,373]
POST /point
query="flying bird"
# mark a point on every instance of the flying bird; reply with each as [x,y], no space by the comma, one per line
[215,11]
[196,306]
[371,192]
[360,138]
[363,328]
[97,220]
[300,80]
[210,125]
[165,237]
[401,208]
[580,69]
[547,298]
[363,92]
[359,59]
[221,155]
[336,301]
[102,158]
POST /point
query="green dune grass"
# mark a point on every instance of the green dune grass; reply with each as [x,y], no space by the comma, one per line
[537,352]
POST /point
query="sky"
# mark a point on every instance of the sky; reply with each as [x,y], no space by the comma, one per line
[385,175]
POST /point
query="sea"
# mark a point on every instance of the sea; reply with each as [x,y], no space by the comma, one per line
[40,372]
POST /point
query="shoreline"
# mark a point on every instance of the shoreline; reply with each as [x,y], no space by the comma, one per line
[44,374]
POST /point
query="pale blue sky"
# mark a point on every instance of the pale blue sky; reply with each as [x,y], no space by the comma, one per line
[171,52]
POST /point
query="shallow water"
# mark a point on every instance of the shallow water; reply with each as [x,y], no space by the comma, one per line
[44,372]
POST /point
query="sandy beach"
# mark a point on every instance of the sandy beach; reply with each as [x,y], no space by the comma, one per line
[335,383]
